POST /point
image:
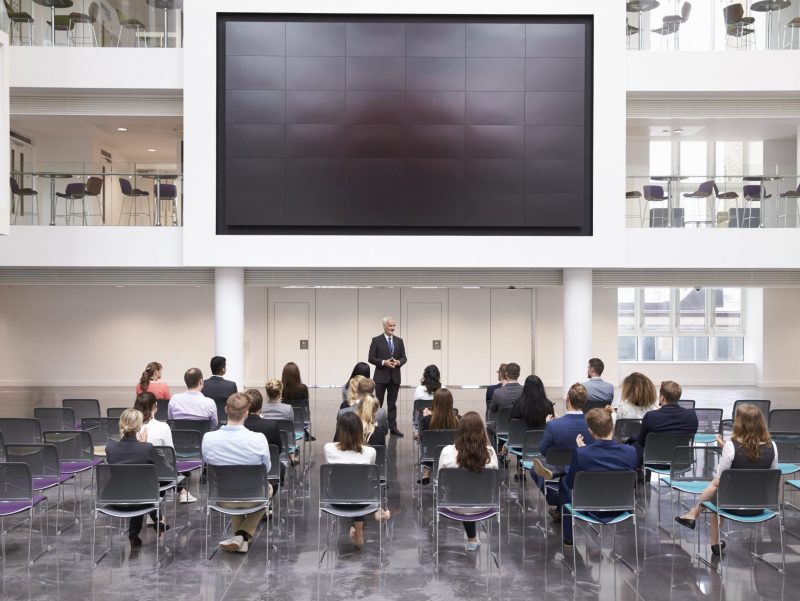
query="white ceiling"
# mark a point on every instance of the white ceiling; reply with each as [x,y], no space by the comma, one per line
[161,133]
[715,129]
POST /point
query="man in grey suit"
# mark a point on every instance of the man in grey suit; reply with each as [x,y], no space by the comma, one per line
[505,396]
[218,388]
[597,389]
[388,354]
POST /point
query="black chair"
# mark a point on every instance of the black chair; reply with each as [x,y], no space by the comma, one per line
[82,408]
[169,479]
[115,412]
[20,430]
[691,471]
[671,24]
[687,403]
[94,187]
[200,425]
[55,418]
[794,195]
[16,497]
[737,26]
[102,430]
[429,440]
[708,425]
[502,424]
[133,195]
[659,448]
[589,405]
[419,405]
[626,429]
[18,194]
[762,405]
[188,452]
[73,192]
[168,193]
[784,420]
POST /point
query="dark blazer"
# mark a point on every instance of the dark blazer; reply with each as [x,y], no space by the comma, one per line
[130,450]
[505,397]
[218,388]
[669,418]
[267,427]
[490,390]
[561,432]
[300,394]
[379,352]
[600,456]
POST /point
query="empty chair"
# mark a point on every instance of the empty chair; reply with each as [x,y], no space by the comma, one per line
[73,192]
[653,193]
[20,430]
[169,479]
[55,418]
[18,196]
[691,471]
[168,193]
[82,408]
[687,403]
[188,452]
[115,412]
[671,24]
[87,38]
[708,425]
[709,191]
[630,30]
[428,441]
[627,429]
[762,405]
[752,193]
[589,405]
[128,24]
[16,497]
[785,197]
[784,420]
[18,18]
[502,423]
[637,196]
[133,195]
[788,445]
[94,187]
[737,26]
[790,28]
[75,450]
[659,448]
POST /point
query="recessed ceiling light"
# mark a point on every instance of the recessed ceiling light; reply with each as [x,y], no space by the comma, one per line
[151,150]
[677,131]
[122,129]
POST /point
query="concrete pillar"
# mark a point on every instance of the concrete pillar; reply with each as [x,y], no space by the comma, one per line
[229,320]
[577,324]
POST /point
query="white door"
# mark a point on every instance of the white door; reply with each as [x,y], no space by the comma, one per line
[292,327]
[423,337]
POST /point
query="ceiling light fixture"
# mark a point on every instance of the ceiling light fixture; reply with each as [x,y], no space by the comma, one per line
[677,131]
[151,150]
[122,129]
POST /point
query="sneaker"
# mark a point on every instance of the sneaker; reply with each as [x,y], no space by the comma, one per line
[232,544]
[541,470]
[186,497]
[472,546]
[242,548]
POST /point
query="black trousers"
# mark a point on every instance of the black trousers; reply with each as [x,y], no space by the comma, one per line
[390,389]
[470,529]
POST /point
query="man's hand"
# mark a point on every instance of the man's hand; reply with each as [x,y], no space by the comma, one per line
[579,441]
[426,412]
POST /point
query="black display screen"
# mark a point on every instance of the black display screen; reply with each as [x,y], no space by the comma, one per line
[404,124]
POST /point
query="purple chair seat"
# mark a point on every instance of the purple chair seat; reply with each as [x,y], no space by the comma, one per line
[12,507]
[467,517]
[73,467]
[187,465]
[44,482]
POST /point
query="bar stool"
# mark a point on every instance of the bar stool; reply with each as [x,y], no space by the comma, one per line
[751,194]
[791,27]
[652,194]
[631,195]
[128,24]
[87,21]
[73,192]
[94,186]
[169,193]
[133,195]
[18,18]
[791,194]
[21,193]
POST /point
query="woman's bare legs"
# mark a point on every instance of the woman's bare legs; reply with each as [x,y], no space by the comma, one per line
[694,513]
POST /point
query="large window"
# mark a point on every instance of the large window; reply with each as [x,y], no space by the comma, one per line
[680,324]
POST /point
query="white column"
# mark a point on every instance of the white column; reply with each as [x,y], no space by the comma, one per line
[229,320]
[577,324]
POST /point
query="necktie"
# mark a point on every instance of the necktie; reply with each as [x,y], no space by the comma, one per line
[391,346]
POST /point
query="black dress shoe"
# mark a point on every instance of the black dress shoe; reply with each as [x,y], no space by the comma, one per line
[135,540]
[424,481]
[689,523]
[396,432]
[308,436]
[162,527]
[718,549]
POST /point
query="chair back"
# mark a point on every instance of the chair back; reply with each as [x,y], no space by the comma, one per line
[784,420]
[303,404]
[706,188]
[72,445]
[461,488]
[349,484]
[14,184]
[380,461]
[752,191]
[660,446]
[162,411]
[708,420]
[653,192]
[589,405]
[188,444]
[55,418]
[761,404]
[299,419]
[76,189]
[199,425]
[687,404]
[733,13]
[94,185]
[559,457]
[530,446]
[604,491]
[502,421]
[125,186]
[222,417]
[165,464]
[686,10]
[42,459]
[286,428]
[127,484]
[625,429]
[419,405]
[430,439]
[749,490]
[20,430]
[693,464]
[101,429]
[2,449]
[516,433]
[274,464]
[167,191]
[788,444]
[16,482]
[82,408]
[115,412]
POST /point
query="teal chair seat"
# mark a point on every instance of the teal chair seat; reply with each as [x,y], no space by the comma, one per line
[693,487]
[704,438]
[788,468]
[586,517]
[749,519]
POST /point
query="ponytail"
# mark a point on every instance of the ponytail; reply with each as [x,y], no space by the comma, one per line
[148,373]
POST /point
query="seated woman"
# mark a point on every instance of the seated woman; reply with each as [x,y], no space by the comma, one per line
[473,452]
[750,447]
[151,382]
[275,409]
[294,389]
[534,408]
[130,450]
[638,396]
[428,385]
[351,449]
[366,410]
[267,427]
[359,388]
[441,416]
[360,369]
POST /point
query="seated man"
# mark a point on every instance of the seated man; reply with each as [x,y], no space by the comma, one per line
[561,433]
[193,404]
[597,389]
[670,417]
[604,455]
[233,444]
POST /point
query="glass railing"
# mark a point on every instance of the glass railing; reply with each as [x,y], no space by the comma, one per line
[95,194]
[729,201]
[664,25]
[94,23]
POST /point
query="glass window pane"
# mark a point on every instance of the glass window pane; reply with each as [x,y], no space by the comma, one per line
[657,309]
[626,310]
[729,159]
[656,348]
[728,348]
[627,348]
[693,160]
[727,304]
[661,158]
[692,310]
[691,348]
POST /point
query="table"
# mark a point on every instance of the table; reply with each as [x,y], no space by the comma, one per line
[669,179]
[769,7]
[158,177]
[53,177]
[166,5]
[53,5]
[641,6]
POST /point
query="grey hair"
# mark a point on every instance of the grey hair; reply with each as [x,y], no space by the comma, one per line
[386,320]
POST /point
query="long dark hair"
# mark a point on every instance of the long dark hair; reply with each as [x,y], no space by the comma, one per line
[290,378]
[148,373]
[145,403]
[361,369]
[442,416]
[431,379]
[472,443]
[349,432]
[533,403]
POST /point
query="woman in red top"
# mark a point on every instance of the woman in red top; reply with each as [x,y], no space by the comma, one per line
[151,382]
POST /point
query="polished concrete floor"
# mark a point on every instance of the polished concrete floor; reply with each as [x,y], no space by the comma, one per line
[531,566]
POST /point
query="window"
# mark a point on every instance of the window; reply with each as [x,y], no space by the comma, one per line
[680,324]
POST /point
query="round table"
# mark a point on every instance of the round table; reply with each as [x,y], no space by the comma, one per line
[166,5]
[53,177]
[769,7]
[53,5]
[158,177]
[669,179]
[639,7]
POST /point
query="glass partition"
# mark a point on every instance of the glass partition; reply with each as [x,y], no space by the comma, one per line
[94,23]
[97,194]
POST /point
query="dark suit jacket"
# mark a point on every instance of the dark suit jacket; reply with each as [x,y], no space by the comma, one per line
[218,388]
[379,352]
[669,418]
[130,450]
[490,390]
[505,397]
[561,432]
[600,456]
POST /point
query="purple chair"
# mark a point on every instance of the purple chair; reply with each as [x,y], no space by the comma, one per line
[793,194]
[752,193]
[168,192]
[21,193]
[132,195]
[74,191]
[653,193]
[16,496]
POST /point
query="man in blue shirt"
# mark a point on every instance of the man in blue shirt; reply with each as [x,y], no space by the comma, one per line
[597,389]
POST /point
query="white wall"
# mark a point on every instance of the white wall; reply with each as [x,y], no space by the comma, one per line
[781,335]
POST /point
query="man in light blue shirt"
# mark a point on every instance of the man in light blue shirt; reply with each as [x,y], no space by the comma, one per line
[193,404]
[233,444]
[597,389]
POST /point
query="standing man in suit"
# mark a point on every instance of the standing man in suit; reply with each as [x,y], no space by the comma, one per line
[218,388]
[388,354]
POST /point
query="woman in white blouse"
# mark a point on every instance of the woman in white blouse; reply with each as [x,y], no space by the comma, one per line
[638,396]
[431,382]
[473,452]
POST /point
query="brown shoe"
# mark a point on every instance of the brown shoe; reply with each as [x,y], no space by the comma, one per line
[541,470]
[555,514]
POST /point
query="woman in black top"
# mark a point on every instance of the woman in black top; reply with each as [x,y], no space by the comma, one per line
[441,416]
[294,389]
[367,409]
[533,405]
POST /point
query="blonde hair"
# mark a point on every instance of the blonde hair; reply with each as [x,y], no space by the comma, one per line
[274,389]
[130,422]
[237,405]
[366,410]
[352,389]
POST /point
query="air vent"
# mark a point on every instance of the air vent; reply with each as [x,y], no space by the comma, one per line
[34,276]
[128,105]
[713,108]
[747,278]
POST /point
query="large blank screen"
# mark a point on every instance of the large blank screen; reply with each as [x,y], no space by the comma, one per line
[418,125]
